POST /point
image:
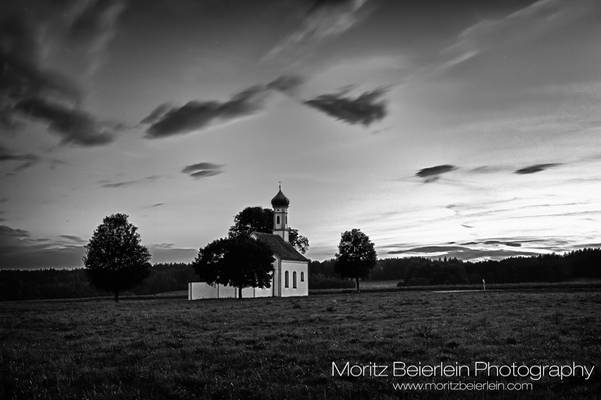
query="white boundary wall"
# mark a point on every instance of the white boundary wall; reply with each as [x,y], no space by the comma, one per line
[202,290]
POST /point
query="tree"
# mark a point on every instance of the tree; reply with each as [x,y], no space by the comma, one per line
[356,256]
[252,219]
[238,261]
[258,219]
[115,260]
[300,242]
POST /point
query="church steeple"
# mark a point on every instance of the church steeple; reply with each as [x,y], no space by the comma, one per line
[280,205]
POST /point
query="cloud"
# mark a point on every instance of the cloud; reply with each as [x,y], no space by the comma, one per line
[7,122]
[56,162]
[25,160]
[19,250]
[523,25]
[462,253]
[486,169]
[191,116]
[535,168]
[203,170]
[22,74]
[286,83]
[94,26]
[326,18]
[427,249]
[364,109]
[157,113]
[163,246]
[32,91]
[167,252]
[431,174]
[166,120]
[436,170]
[499,242]
[147,179]
[488,248]
[73,238]
[8,232]
[73,125]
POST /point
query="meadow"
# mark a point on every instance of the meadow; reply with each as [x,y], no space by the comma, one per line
[169,348]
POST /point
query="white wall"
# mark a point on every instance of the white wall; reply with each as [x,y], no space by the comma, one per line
[275,280]
[302,288]
[202,290]
[227,292]
[265,292]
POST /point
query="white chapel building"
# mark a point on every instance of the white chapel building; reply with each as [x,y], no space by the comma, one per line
[290,269]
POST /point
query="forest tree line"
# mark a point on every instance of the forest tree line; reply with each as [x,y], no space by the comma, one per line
[411,271]
[52,283]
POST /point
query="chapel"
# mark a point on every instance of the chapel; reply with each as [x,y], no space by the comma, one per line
[290,275]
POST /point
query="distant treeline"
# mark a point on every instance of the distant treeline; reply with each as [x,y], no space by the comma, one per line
[52,284]
[585,263]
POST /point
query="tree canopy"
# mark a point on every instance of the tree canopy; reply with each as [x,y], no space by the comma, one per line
[238,261]
[115,260]
[258,219]
[356,256]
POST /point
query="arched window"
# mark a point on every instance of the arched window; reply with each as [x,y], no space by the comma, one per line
[286,279]
[277,220]
[294,279]
[302,276]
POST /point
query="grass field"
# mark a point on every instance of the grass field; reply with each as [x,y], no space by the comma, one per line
[284,348]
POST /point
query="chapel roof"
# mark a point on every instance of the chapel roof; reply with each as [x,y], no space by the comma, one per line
[279,246]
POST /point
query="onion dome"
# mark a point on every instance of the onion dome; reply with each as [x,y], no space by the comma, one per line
[280,200]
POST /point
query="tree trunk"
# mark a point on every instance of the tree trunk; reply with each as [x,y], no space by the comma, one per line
[240,292]
[357,284]
[116,296]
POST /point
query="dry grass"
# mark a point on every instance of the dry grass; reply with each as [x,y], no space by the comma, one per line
[283,348]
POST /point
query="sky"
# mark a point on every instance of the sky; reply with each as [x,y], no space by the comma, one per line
[466,129]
